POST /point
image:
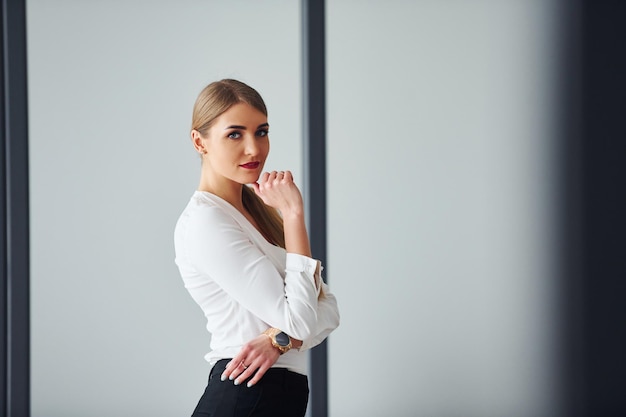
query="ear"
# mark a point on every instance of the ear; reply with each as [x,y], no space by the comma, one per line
[198,142]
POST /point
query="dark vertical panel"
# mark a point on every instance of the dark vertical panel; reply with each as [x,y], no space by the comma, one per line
[3,238]
[595,151]
[15,254]
[603,106]
[314,120]
[569,111]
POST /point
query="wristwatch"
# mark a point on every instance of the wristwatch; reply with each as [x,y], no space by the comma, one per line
[280,340]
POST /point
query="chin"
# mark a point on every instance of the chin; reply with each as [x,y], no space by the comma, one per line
[248,179]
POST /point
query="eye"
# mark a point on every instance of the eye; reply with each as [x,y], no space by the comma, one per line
[262,132]
[234,135]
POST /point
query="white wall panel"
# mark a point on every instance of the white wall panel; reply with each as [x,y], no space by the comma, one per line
[441,174]
[111,88]
[440,198]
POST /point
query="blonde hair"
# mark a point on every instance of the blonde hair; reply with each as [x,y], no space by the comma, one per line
[214,100]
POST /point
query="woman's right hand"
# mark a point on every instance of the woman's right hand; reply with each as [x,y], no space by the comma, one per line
[254,358]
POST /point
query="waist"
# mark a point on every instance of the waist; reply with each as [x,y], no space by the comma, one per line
[282,376]
[293,360]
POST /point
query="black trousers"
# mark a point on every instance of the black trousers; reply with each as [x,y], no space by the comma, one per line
[279,393]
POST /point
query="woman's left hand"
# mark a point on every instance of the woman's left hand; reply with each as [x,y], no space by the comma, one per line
[255,358]
[278,190]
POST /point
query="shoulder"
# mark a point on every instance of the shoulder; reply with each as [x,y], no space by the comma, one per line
[207,228]
[204,210]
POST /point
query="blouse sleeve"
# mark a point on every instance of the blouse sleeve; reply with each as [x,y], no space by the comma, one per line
[327,319]
[216,246]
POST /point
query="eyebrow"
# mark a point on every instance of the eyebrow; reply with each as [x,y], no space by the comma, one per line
[244,128]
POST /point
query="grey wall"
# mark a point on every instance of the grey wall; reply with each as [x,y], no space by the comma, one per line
[111,86]
[440,198]
[441,174]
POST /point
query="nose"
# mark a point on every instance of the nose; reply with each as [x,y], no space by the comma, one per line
[251,145]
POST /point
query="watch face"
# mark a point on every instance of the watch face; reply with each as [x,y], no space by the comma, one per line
[282,339]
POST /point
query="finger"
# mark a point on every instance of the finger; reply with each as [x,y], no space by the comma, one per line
[227,371]
[267,180]
[247,372]
[232,368]
[288,176]
[241,373]
[264,178]
[258,375]
[263,181]
[235,372]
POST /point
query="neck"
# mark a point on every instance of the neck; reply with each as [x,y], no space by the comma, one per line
[227,190]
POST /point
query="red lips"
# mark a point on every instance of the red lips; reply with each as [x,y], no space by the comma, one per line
[250,165]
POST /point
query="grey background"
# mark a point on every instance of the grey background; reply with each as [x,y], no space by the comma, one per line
[440,179]
[441,207]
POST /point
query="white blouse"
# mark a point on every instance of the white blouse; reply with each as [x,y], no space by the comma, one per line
[244,284]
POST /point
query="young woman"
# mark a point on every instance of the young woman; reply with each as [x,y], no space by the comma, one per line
[244,255]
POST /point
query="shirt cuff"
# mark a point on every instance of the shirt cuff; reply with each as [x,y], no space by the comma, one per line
[312,267]
[301,263]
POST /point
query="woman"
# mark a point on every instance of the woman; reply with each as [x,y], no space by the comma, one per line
[244,255]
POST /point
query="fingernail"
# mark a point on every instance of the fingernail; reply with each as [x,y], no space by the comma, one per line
[236,382]
[249,384]
[231,377]
[223,377]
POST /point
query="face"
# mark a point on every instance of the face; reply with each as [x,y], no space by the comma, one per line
[236,146]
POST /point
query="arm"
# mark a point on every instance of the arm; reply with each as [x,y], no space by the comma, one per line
[216,246]
[259,353]
[277,190]
[327,319]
